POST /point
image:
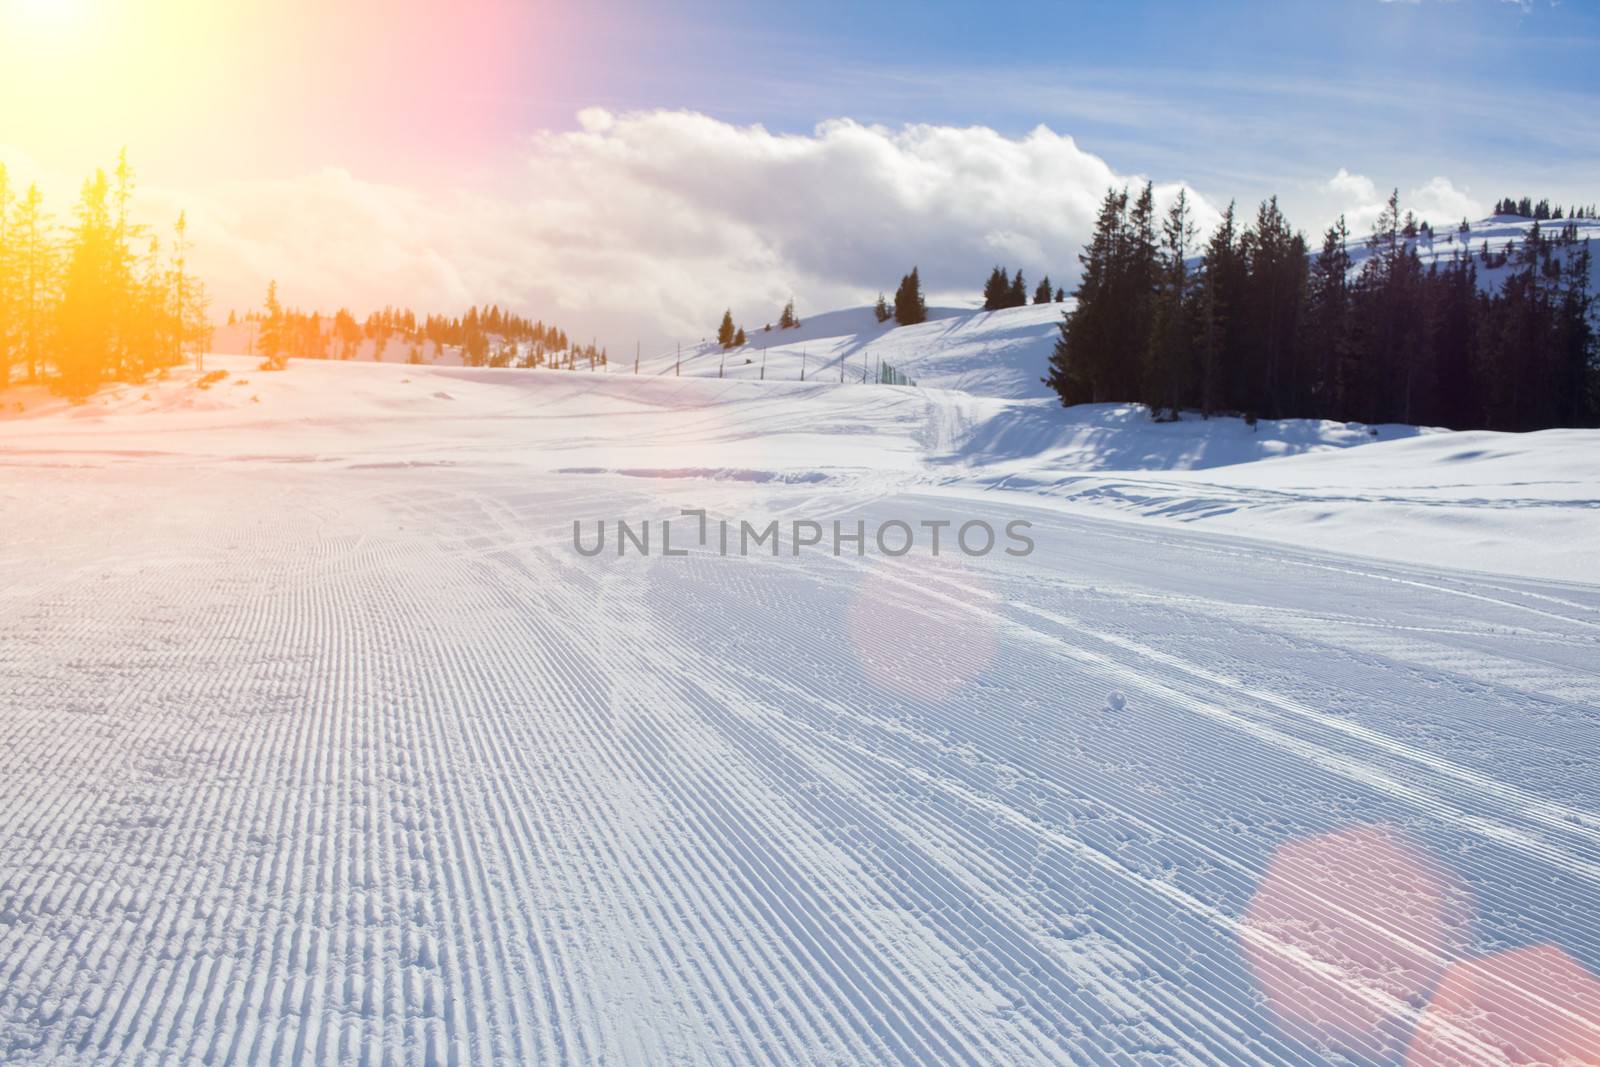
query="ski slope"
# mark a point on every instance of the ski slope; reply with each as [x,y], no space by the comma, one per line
[1002,353]
[322,744]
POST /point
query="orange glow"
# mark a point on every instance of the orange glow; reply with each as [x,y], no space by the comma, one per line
[1360,926]
[1530,1006]
[256,87]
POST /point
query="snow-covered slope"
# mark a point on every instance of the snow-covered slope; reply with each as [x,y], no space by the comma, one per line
[1498,231]
[1525,504]
[986,353]
[1001,353]
[320,743]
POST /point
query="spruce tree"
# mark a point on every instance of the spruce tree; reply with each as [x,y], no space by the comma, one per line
[1328,311]
[1218,311]
[91,293]
[35,275]
[909,307]
[1017,294]
[272,340]
[8,285]
[996,290]
[1042,294]
[725,331]
[1169,363]
[880,311]
[1080,362]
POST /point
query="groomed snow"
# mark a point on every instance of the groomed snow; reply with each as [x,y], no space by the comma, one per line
[320,744]
[1521,504]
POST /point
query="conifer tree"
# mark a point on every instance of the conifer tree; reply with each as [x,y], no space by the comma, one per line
[909,306]
[34,271]
[996,290]
[725,331]
[1017,293]
[1042,294]
[881,311]
[272,339]
[8,309]
[91,296]
[1080,363]
[1328,310]
[1169,363]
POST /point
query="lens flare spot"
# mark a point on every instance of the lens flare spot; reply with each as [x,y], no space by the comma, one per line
[1348,933]
[914,634]
[1530,1007]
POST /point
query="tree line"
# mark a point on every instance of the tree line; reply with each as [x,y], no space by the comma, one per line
[101,298]
[1259,325]
[487,337]
[1527,209]
[1002,290]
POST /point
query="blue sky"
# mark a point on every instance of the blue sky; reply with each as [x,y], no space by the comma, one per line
[631,168]
[1238,98]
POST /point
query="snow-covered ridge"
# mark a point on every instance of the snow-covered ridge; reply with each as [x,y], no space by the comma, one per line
[1497,230]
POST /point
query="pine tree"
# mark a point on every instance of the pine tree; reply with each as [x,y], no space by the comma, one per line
[190,332]
[35,270]
[881,311]
[739,339]
[788,320]
[91,295]
[1041,295]
[1169,364]
[909,306]
[1218,312]
[272,339]
[996,291]
[1328,311]
[1265,328]
[1268,377]
[725,331]
[8,309]
[1017,294]
[1080,363]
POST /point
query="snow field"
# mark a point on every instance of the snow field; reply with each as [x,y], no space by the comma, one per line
[322,744]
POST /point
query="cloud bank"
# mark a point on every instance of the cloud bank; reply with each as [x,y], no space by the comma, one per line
[647,224]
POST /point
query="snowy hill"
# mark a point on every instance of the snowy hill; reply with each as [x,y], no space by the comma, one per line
[1499,231]
[985,353]
[999,353]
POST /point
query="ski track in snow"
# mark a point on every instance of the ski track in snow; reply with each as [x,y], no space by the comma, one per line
[333,765]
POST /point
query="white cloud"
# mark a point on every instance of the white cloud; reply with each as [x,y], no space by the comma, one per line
[1359,199]
[1352,188]
[1439,201]
[647,224]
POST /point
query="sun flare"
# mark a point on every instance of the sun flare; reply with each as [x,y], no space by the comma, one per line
[44,15]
